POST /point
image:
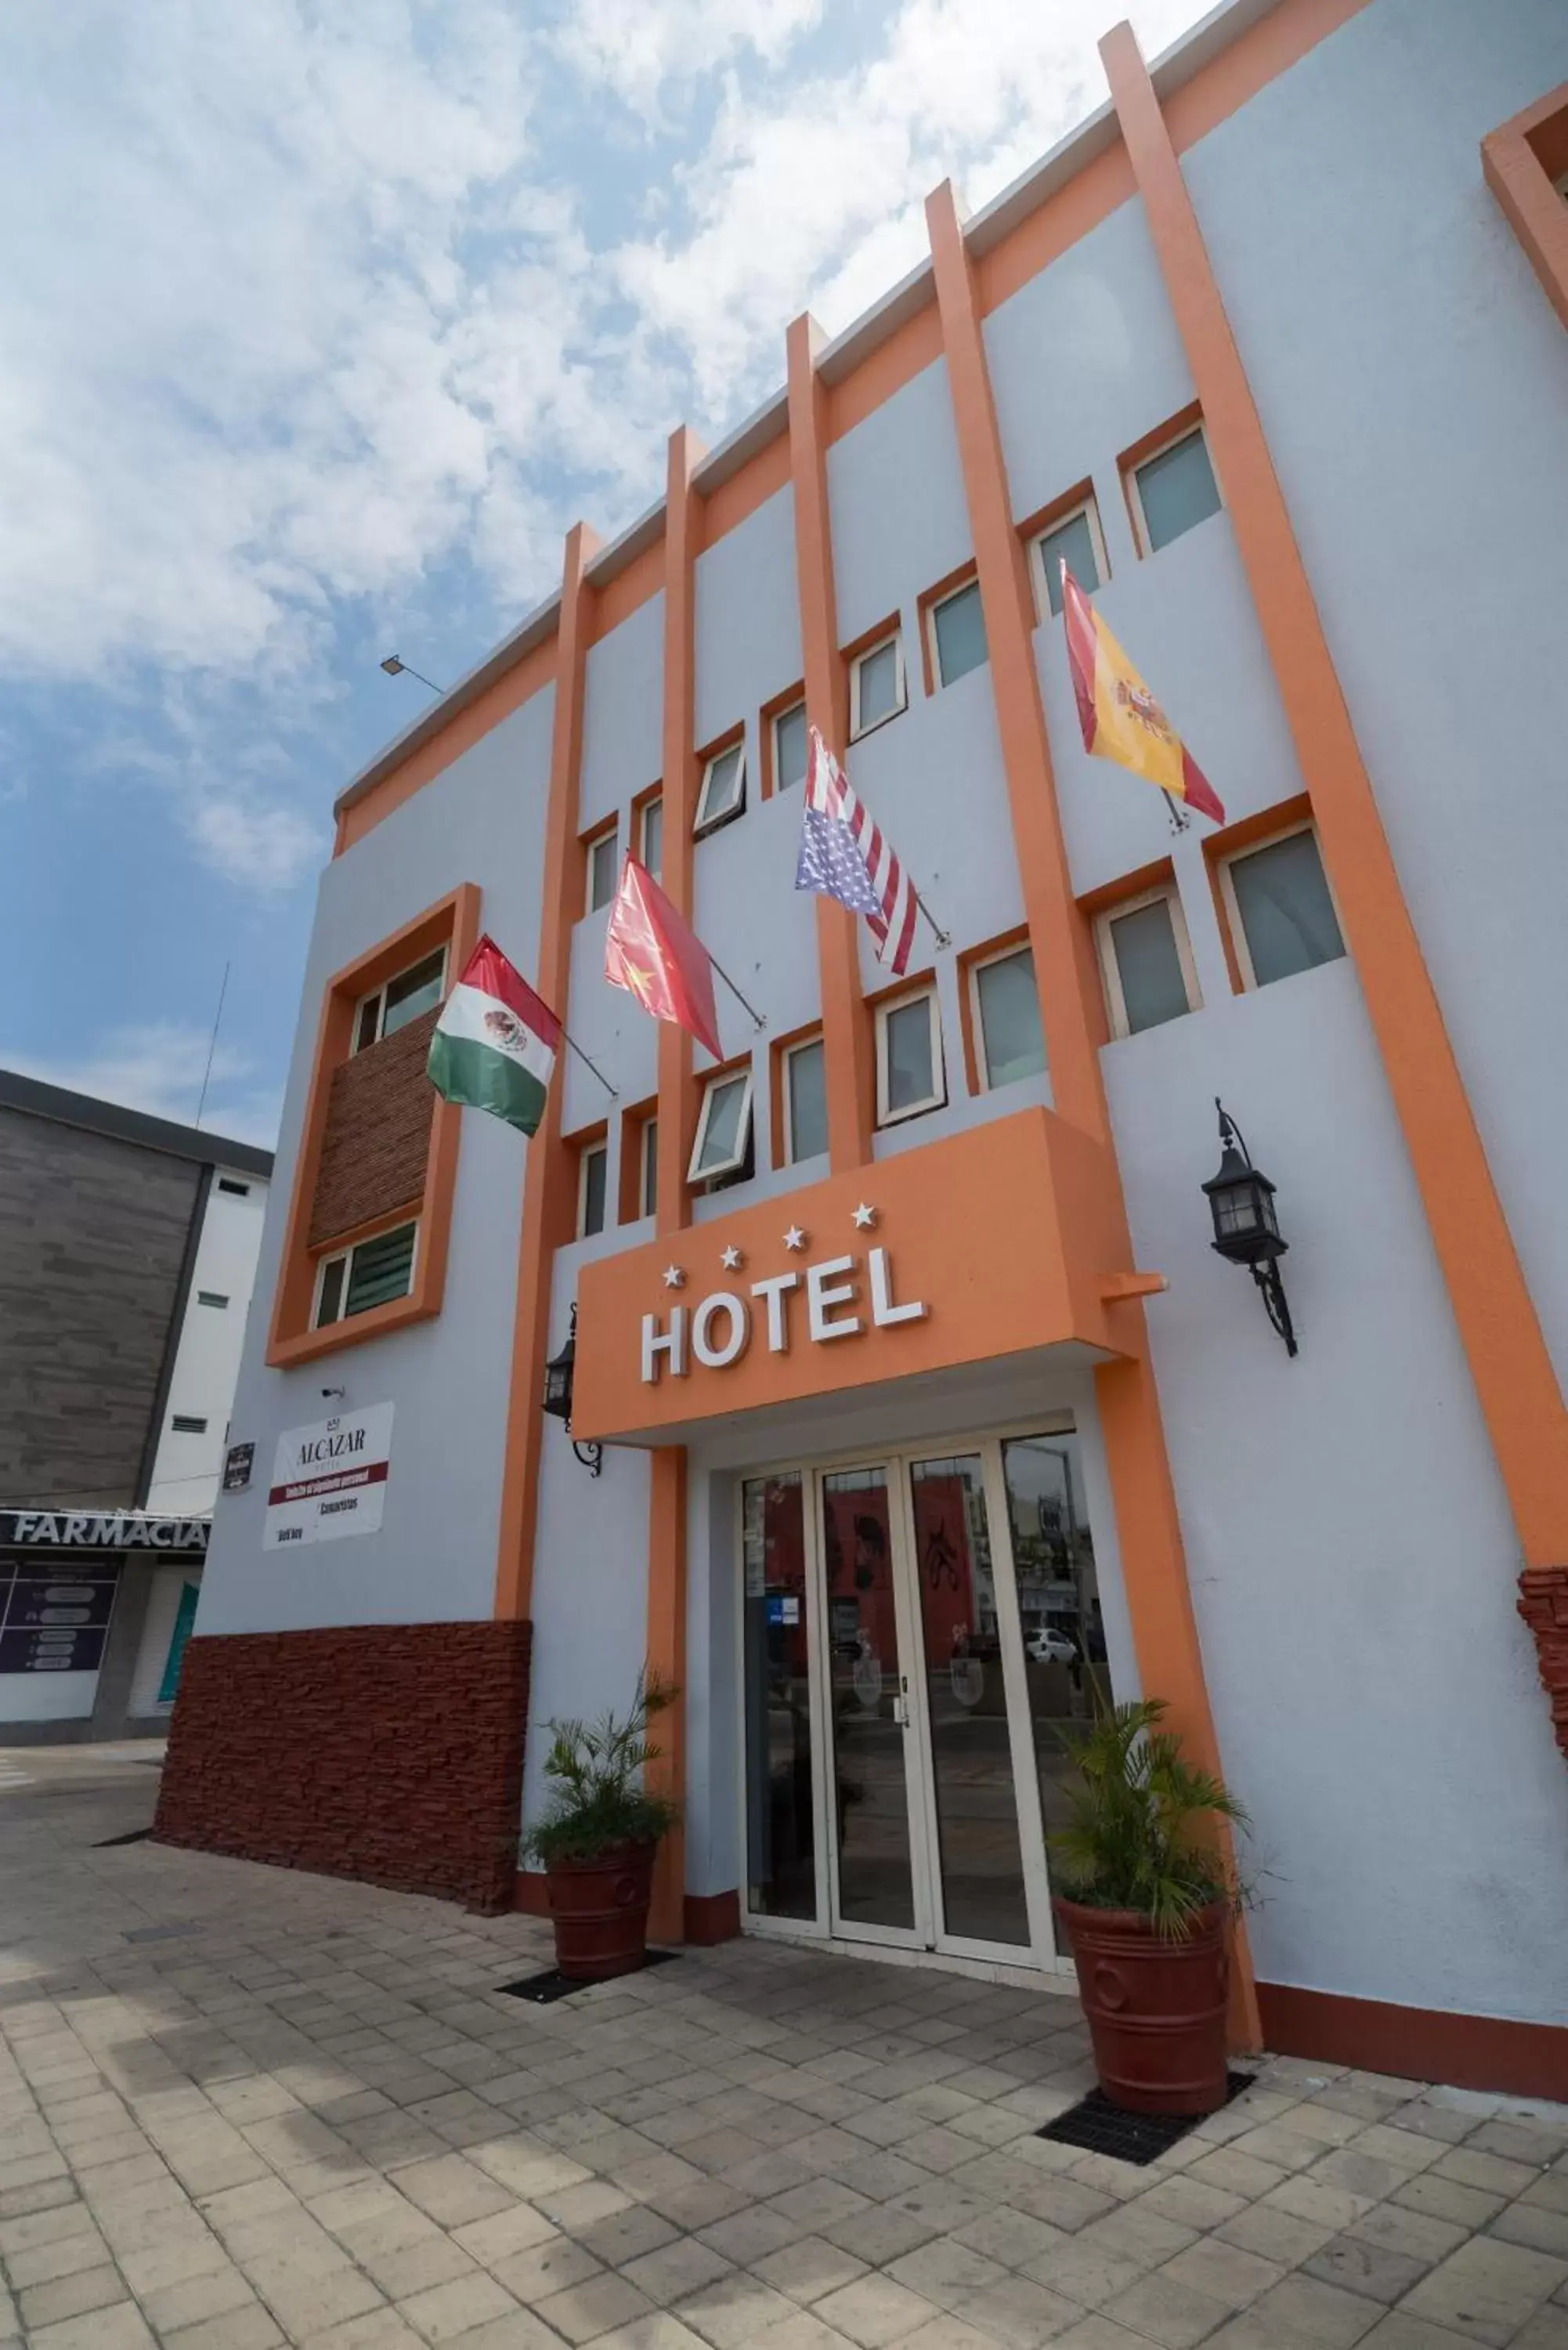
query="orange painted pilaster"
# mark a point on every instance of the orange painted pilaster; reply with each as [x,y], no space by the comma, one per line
[1063,952]
[846,1023]
[1514,1380]
[1154,1563]
[549,1182]
[665,1642]
[667,1661]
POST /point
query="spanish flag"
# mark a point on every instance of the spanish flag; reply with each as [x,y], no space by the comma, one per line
[1120,717]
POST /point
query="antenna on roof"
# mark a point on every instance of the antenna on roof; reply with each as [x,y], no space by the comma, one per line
[212,1046]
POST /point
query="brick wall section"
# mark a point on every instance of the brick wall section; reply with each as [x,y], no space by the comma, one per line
[1544,1604]
[92,1236]
[389,1752]
[378,1135]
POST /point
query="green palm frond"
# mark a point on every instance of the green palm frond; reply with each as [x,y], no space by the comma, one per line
[1143,1828]
[599,1799]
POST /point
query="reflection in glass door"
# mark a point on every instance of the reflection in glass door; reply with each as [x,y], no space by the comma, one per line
[868,1709]
[980,1878]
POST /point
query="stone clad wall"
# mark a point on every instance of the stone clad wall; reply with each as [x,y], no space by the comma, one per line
[378,1137]
[390,1752]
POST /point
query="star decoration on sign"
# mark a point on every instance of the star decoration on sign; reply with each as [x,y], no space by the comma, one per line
[864,1218]
[795,1238]
[731,1259]
[674,1278]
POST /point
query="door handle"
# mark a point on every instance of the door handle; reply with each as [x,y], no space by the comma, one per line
[901,1712]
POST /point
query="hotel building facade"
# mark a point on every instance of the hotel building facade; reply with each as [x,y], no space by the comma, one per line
[928,1411]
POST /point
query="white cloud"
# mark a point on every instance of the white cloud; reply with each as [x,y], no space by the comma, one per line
[259,847]
[159,1068]
[639,49]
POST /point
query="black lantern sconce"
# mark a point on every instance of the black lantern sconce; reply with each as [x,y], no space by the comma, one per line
[558,1400]
[1246,1229]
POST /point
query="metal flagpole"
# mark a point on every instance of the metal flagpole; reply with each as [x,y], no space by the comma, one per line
[756,1015]
[943,938]
[582,1056]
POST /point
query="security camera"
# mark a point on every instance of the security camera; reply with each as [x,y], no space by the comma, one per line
[341,1393]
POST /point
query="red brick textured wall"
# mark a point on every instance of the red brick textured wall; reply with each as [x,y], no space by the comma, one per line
[378,1135]
[390,1752]
[1544,1604]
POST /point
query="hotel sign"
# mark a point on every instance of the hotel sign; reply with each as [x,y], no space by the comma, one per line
[329,1479]
[827,1300]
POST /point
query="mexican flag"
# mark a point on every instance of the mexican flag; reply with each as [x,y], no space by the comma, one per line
[495,1045]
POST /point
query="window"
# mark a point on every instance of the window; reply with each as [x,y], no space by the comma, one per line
[723,792]
[908,1058]
[1076,540]
[236,1190]
[1173,490]
[371,1274]
[723,1129]
[650,834]
[647,1170]
[404,998]
[876,686]
[1006,1008]
[593,1173]
[184,1423]
[958,634]
[602,864]
[804,1101]
[1146,963]
[211,1297]
[789,747]
[1283,919]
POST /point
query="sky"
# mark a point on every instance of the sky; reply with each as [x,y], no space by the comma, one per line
[320,322]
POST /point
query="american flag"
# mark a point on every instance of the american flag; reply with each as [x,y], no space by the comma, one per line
[843,855]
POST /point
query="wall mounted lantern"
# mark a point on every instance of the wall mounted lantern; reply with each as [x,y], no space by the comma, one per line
[1246,1229]
[558,1399]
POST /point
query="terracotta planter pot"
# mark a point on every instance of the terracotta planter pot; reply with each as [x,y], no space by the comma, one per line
[1155,2009]
[600,1911]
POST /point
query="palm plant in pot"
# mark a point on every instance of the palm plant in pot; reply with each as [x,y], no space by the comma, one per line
[598,1838]
[1148,1892]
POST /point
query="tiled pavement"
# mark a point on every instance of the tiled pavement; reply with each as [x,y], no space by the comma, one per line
[241,2108]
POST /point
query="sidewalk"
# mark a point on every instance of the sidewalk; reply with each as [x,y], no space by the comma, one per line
[241,2108]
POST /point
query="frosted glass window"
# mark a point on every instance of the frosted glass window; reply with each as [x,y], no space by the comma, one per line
[878,686]
[724,1128]
[601,871]
[909,1070]
[653,837]
[1153,985]
[805,1083]
[789,747]
[1010,1042]
[1286,913]
[649,1166]
[723,790]
[596,1169]
[1176,489]
[1072,542]
[960,628]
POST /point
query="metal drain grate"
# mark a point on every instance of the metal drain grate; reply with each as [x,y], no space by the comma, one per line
[1100,2127]
[542,1990]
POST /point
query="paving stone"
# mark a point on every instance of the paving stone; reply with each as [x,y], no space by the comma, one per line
[1487,2289]
[123,2328]
[1224,2271]
[807,2270]
[254,2328]
[445,2312]
[593,2307]
[734,2310]
[1168,2311]
[71,2296]
[1360,2266]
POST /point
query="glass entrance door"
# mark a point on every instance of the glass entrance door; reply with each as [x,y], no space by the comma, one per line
[917,1628]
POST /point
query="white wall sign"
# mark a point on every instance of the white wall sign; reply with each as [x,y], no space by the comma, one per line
[329,1479]
[718,1330]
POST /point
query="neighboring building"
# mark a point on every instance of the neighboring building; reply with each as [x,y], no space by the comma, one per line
[905,1452]
[128,1254]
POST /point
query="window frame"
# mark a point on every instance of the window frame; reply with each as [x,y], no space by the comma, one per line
[1188,427]
[378,996]
[716,1082]
[648,1167]
[595,1146]
[775,720]
[938,602]
[343,1256]
[894,637]
[703,822]
[650,802]
[593,842]
[977,1013]
[1236,928]
[816,1042]
[884,1010]
[1110,970]
[218,1298]
[1089,507]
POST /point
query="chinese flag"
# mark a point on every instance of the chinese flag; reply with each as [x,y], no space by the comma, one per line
[652,951]
[1120,717]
